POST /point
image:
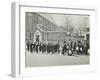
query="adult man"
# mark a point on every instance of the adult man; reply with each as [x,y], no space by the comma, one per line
[48,48]
[74,47]
[40,46]
[64,48]
[81,48]
[34,46]
[37,47]
[87,48]
[45,47]
[31,47]
[28,45]
[58,47]
[53,48]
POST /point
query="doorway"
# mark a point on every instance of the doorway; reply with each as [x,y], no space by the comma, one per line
[37,36]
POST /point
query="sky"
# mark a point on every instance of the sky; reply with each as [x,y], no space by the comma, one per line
[63,20]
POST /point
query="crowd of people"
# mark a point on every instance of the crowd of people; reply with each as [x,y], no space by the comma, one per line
[69,48]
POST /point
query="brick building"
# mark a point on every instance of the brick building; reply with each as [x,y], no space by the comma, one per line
[40,28]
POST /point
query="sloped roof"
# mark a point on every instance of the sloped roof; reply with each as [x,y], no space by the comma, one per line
[48,17]
[52,19]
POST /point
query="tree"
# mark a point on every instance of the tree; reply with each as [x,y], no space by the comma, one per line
[69,26]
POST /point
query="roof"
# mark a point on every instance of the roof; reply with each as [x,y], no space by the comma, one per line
[51,18]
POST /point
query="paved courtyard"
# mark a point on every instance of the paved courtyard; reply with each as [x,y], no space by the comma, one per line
[40,59]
